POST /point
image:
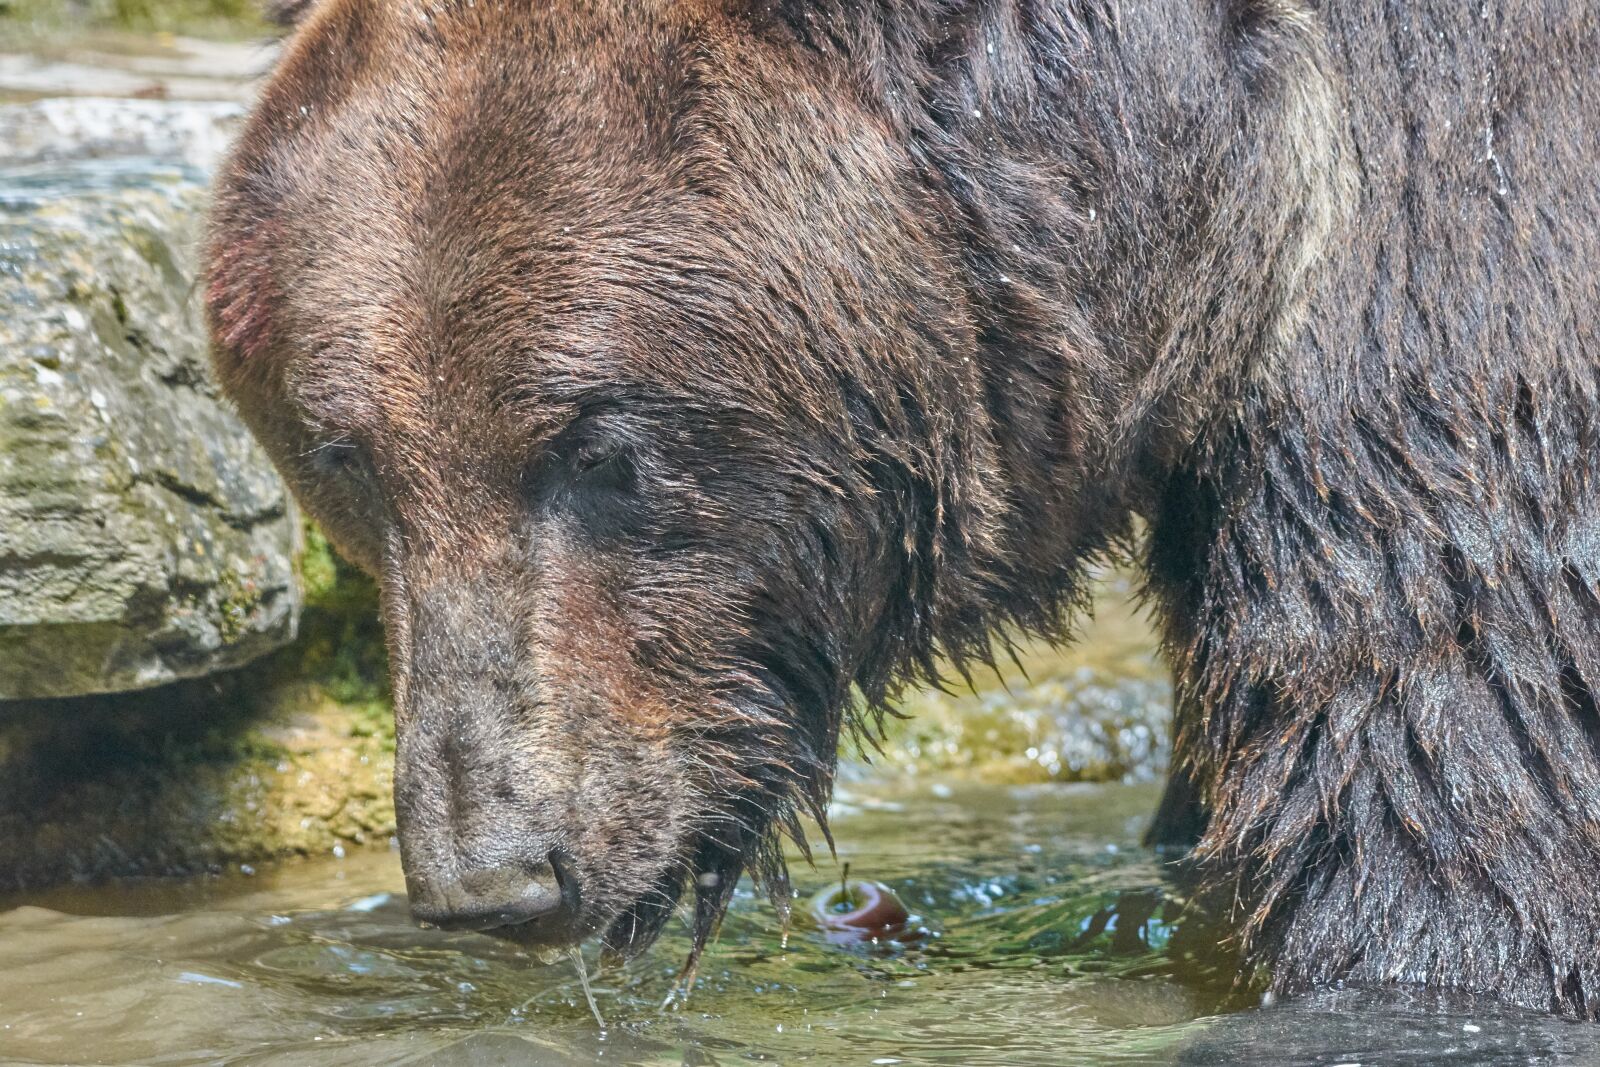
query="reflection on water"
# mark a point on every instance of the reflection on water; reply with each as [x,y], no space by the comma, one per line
[1050,940]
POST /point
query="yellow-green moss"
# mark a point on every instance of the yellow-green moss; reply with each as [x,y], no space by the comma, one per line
[319,567]
[238,599]
[51,19]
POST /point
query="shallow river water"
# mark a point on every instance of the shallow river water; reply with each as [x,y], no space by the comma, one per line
[1049,939]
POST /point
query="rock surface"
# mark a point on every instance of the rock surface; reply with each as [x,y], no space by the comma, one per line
[144,537]
[62,129]
[1097,710]
[112,64]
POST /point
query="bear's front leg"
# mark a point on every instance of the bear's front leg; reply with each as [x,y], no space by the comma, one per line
[1386,670]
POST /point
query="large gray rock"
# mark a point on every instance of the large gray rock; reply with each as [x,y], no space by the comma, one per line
[143,535]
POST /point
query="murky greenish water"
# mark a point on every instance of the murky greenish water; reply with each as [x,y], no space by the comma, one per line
[1050,940]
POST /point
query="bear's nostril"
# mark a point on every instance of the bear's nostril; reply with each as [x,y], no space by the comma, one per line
[487,898]
[566,880]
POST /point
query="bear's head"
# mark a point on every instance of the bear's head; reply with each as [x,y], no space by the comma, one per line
[629,354]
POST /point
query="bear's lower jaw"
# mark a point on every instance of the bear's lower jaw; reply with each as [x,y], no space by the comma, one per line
[556,933]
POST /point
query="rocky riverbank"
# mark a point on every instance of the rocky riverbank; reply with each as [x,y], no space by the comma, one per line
[144,537]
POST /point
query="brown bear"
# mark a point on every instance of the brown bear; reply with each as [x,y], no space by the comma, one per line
[681,366]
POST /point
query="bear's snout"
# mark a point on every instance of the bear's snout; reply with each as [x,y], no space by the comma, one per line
[498,899]
[480,784]
[528,803]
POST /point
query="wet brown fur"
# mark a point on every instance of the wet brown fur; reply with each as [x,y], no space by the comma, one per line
[680,365]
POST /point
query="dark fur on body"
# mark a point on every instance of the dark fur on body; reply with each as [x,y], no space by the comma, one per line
[678,366]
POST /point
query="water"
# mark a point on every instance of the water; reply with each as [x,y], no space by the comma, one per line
[319,964]
[1049,937]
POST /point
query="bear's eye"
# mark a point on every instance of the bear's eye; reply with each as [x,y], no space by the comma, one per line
[344,459]
[590,470]
[601,465]
[593,454]
[591,477]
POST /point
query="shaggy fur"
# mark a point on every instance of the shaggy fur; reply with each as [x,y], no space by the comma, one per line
[679,365]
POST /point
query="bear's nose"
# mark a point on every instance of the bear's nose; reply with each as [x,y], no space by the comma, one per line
[488,898]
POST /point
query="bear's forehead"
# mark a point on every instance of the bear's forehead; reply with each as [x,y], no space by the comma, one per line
[618,90]
[445,173]
[459,207]
[530,302]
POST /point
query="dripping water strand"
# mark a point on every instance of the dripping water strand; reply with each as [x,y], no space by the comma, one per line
[588,993]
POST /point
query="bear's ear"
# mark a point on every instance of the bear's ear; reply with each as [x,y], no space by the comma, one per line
[286,13]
